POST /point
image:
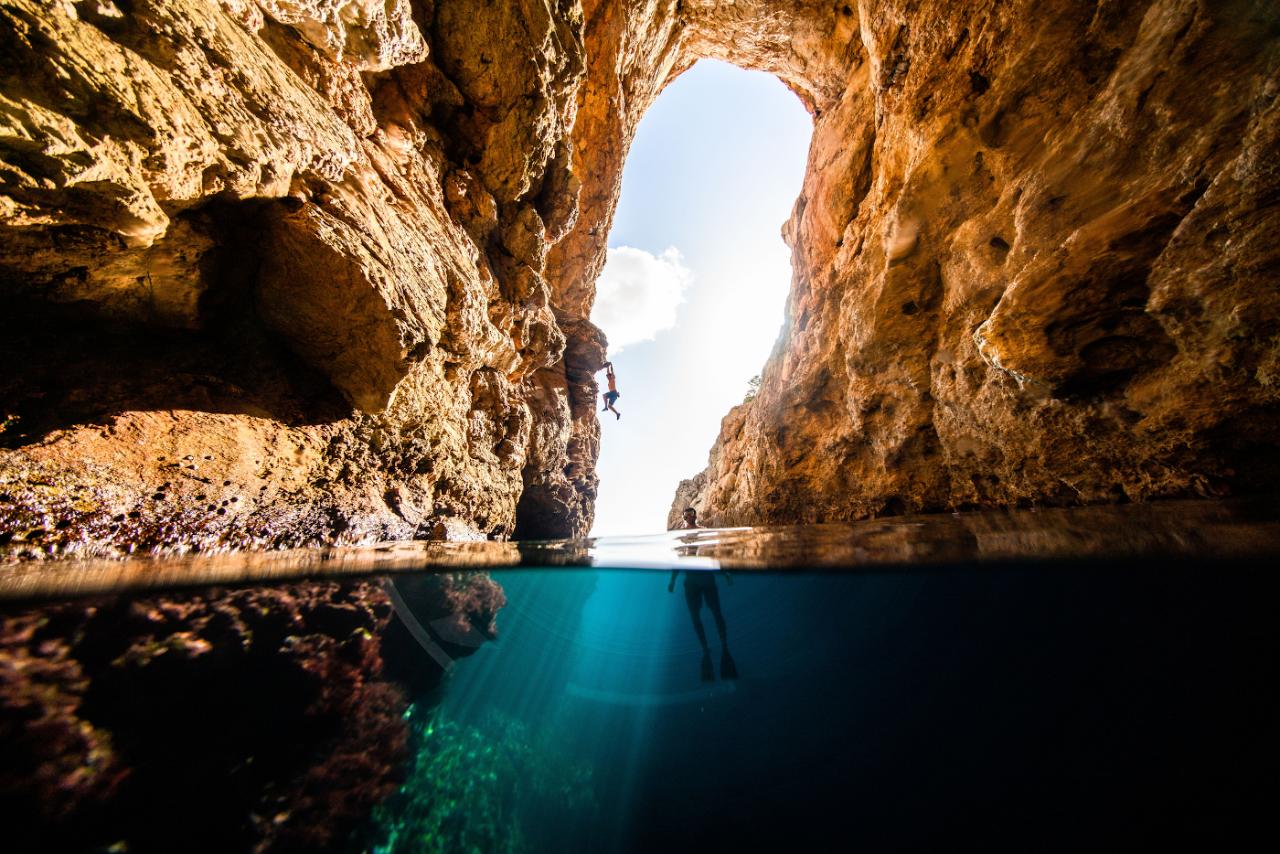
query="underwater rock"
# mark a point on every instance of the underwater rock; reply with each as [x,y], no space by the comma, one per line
[500,787]
[248,719]
[285,272]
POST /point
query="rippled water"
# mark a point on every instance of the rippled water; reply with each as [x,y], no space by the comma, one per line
[1055,679]
[1180,530]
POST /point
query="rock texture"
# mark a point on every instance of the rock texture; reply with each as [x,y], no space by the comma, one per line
[275,272]
[274,717]
[1032,266]
[289,271]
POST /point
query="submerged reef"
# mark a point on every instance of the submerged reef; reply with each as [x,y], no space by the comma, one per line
[281,273]
[261,719]
[492,787]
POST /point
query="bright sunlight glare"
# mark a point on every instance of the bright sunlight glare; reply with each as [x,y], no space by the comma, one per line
[693,292]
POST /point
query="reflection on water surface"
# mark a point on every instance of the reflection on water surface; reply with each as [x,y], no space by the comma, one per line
[1175,529]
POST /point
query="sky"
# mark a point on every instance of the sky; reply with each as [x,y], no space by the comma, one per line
[693,292]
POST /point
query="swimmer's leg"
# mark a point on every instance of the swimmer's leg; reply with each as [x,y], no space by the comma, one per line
[728,667]
[693,598]
[713,602]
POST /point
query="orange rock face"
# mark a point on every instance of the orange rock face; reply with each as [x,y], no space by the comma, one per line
[1032,265]
[281,272]
[276,271]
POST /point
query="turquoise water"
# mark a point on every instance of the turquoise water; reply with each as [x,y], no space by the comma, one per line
[1036,705]
[1036,680]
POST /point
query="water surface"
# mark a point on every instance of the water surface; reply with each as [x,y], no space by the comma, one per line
[1172,530]
[1052,679]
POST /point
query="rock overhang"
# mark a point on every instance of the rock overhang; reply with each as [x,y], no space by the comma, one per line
[413,195]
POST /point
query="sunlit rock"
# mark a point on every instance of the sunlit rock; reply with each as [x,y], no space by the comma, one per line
[297,271]
[1029,268]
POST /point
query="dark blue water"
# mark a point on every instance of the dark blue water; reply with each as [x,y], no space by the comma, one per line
[1033,680]
[1033,706]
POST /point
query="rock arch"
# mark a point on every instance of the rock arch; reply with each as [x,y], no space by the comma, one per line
[294,271]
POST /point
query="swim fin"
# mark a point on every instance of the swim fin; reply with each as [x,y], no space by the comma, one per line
[708,672]
[728,667]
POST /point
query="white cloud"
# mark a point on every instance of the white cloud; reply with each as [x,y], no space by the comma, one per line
[637,294]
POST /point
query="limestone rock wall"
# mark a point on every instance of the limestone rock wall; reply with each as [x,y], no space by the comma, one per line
[275,271]
[289,271]
[1034,263]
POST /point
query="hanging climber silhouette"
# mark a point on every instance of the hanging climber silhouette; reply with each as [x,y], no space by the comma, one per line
[699,587]
[612,395]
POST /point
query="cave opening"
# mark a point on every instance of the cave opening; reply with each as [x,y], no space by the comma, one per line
[692,295]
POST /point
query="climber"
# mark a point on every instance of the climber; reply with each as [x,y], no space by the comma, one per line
[611,396]
[699,587]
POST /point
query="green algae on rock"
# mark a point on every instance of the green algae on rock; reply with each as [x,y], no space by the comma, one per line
[480,788]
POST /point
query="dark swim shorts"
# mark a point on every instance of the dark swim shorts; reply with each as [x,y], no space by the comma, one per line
[612,396]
